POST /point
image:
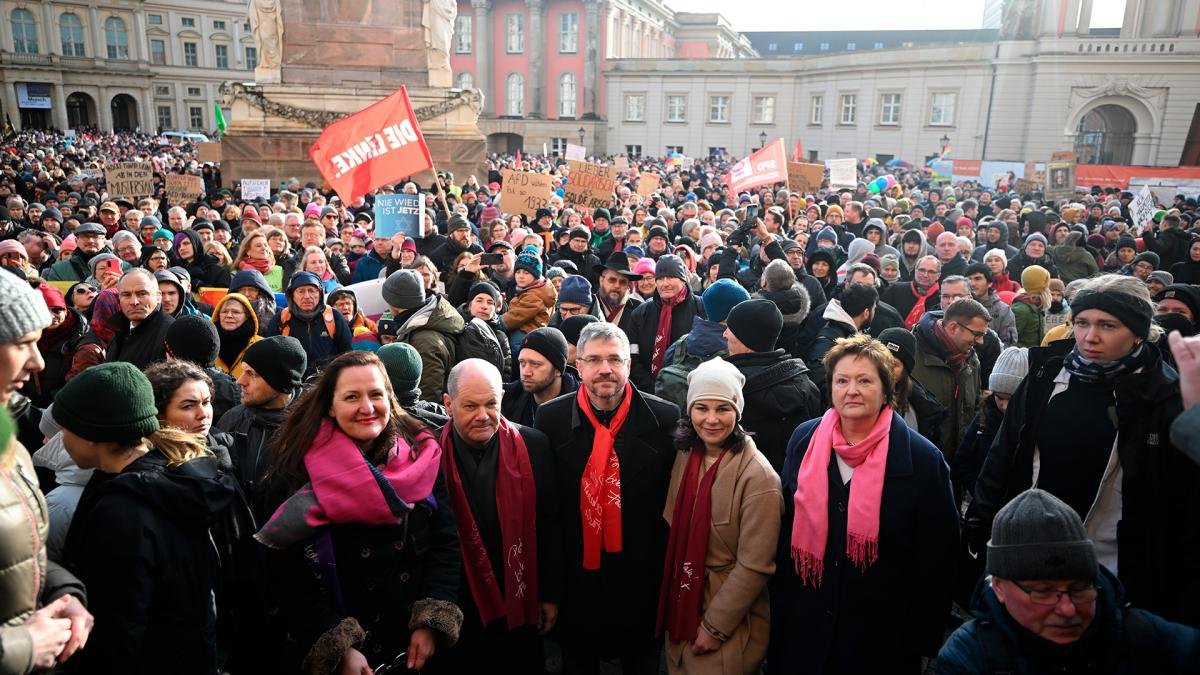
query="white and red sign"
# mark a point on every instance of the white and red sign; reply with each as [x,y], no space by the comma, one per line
[765,166]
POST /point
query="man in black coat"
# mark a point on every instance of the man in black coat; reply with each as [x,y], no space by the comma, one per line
[614,301]
[459,239]
[577,252]
[482,450]
[779,394]
[141,325]
[614,547]
[543,376]
[671,279]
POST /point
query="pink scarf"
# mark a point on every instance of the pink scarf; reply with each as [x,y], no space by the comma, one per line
[344,487]
[810,525]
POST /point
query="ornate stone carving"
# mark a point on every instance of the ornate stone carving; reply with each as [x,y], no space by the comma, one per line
[1117,87]
[319,119]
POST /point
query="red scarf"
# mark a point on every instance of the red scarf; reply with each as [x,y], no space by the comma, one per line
[681,597]
[612,315]
[810,524]
[950,353]
[662,336]
[918,309]
[600,487]
[263,265]
[516,505]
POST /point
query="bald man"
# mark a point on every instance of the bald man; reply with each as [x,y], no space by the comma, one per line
[500,477]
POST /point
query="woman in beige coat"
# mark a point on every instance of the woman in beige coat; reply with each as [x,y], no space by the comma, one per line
[724,506]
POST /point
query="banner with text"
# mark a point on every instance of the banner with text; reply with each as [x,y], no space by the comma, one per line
[766,166]
[399,213]
[1143,206]
[524,192]
[380,144]
[575,151]
[589,186]
[131,180]
[255,188]
[183,188]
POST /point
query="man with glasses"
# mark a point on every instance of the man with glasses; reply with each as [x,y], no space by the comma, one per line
[946,362]
[912,299]
[89,243]
[1048,605]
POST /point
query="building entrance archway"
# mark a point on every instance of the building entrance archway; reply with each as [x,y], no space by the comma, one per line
[81,110]
[124,112]
[505,143]
[1105,135]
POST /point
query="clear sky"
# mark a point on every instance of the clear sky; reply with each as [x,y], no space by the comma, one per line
[756,15]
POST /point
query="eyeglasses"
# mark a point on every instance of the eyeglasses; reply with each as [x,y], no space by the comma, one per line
[1050,597]
[921,271]
[595,361]
[979,334]
[571,311]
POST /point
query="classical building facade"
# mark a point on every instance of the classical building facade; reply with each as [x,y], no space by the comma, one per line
[120,64]
[1047,82]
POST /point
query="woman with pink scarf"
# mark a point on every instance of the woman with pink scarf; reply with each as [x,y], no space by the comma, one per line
[867,549]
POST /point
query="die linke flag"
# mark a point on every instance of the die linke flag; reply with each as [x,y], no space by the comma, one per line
[379,144]
[764,167]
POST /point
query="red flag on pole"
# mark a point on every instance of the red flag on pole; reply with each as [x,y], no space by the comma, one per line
[766,166]
[379,144]
[798,155]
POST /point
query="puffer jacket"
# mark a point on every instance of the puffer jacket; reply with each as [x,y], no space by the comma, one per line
[431,330]
[1030,321]
[530,308]
[28,580]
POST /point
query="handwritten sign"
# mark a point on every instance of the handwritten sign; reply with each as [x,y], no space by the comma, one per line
[590,185]
[209,152]
[399,213]
[1064,156]
[648,184]
[575,151]
[255,188]
[805,179]
[1143,206]
[843,173]
[525,192]
[183,188]
[132,180]
[1024,186]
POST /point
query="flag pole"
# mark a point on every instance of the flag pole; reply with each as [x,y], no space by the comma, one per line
[437,179]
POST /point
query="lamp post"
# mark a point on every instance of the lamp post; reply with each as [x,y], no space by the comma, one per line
[944,140]
[581,133]
[762,140]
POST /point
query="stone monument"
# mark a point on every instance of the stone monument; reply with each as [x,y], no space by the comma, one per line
[320,60]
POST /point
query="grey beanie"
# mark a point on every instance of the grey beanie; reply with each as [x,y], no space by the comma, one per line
[1011,367]
[1037,536]
[779,276]
[404,289]
[24,309]
[671,265]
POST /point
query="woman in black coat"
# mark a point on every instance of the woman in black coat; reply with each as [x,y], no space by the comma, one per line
[364,561]
[865,567]
[204,268]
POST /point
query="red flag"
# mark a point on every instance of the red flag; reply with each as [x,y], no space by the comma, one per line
[374,146]
[517,166]
[764,167]
[798,155]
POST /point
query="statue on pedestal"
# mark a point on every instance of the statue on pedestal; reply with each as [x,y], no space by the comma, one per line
[438,21]
[266,21]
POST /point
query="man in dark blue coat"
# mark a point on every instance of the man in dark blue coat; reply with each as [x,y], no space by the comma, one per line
[320,328]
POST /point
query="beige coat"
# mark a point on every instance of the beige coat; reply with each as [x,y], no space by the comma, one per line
[747,504]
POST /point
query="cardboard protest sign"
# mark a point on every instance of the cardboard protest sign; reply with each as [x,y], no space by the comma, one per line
[1024,186]
[843,173]
[254,188]
[209,152]
[131,180]
[648,184]
[1143,206]
[590,186]
[621,163]
[183,188]
[398,213]
[805,179]
[524,192]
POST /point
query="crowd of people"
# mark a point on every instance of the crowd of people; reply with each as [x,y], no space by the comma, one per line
[935,428]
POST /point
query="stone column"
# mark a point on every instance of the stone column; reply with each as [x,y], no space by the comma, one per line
[1085,18]
[97,48]
[482,26]
[58,113]
[53,39]
[591,58]
[138,46]
[535,42]
[104,110]
[8,96]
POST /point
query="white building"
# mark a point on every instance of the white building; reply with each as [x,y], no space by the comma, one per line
[120,64]
[1048,84]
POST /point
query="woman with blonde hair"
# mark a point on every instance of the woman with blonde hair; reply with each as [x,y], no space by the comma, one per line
[314,261]
[254,253]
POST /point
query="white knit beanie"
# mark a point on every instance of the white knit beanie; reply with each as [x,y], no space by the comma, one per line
[1011,367]
[24,308]
[716,380]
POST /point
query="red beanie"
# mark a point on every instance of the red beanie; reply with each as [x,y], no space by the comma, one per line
[53,297]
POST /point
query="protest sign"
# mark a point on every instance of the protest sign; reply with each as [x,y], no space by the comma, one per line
[765,166]
[648,184]
[621,162]
[575,151]
[132,180]
[378,145]
[399,213]
[1024,186]
[183,188]
[209,152]
[805,179]
[1143,206]
[524,192]
[254,188]
[843,173]
[1060,177]
[589,186]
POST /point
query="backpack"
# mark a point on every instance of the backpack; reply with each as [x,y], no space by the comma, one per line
[475,341]
[672,381]
[285,318]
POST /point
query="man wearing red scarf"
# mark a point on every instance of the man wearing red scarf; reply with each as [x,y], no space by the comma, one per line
[612,449]
[502,489]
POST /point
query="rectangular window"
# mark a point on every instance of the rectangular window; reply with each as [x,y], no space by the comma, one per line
[849,108]
[246,27]
[772,47]
[851,46]
[941,109]
[196,117]
[558,146]
[764,109]
[674,150]
[218,25]
[462,34]
[889,109]
[716,151]
[188,22]
[251,58]
[190,57]
[158,52]
[193,92]
[222,56]
[878,45]
[798,47]
[514,25]
[676,108]
[633,151]
[568,32]
[162,90]
[635,108]
[818,106]
[164,117]
[824,46]
[154,19]
[718,109]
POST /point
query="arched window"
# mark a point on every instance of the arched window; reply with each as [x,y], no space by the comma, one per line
[567,95]
[464,81]
[514,104]
[70,29]
[24,32]
[116,38]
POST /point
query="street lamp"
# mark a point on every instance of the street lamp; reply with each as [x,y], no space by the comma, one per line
[944,140]
[581,133]
[762,140]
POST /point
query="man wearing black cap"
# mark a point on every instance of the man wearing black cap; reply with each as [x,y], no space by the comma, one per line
[321,329]
[194,339]
[601,234]
[543,375]
[459,238]
[1048,605]
[1179,299]
[661,320]
[614,301]
[577,251]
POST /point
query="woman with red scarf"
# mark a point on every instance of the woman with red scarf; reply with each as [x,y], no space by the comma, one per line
[254,253]
[364,561]
[866,556]
[724,507]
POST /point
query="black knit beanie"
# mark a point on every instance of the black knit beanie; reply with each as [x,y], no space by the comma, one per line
[550,343]
[756,324]
[280,360]
[192,338]
[1038,536]
[1131,310]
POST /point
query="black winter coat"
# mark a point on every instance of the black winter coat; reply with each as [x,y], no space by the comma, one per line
[884,619]
[609,609]
[1171,245]
[1158,534]
[318,344]
[519,405]
[779,397]
[140,541]
[142,346]
[643,328]
[251,429]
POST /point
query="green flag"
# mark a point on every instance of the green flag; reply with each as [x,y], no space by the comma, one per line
[220,116]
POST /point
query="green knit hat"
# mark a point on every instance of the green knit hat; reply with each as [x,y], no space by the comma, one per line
[403,364]
[107,402]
